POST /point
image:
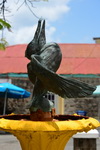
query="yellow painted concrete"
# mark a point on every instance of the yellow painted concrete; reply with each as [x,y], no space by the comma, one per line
[46,135]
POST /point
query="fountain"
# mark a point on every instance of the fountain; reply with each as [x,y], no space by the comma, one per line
[42,129]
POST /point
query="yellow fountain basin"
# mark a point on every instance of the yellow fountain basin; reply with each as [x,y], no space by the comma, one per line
[46,135]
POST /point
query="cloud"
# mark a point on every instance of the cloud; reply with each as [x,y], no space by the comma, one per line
[20,36]
[52,10]
[49,33]
[24,22]
[25,35]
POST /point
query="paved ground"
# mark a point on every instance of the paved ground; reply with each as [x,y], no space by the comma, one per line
[9,142]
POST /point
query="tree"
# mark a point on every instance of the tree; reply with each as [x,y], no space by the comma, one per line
[3,25]
[3,21]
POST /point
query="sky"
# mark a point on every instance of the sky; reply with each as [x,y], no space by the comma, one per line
[67,21]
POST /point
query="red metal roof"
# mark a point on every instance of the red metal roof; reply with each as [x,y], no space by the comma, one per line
[12,60]
[80,59]
[77,59]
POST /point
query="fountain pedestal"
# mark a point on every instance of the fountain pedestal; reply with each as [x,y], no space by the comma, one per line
[47,135]
[44,140]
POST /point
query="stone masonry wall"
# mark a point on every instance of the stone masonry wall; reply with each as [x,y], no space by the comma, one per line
[90,104]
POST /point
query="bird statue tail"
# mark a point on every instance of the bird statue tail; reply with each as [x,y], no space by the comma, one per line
[72,88]
[57,84]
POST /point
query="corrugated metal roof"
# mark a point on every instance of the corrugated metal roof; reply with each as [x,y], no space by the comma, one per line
[13,65]
[77,59]
[80,50]
[13,59]
[14,51]
[80,66]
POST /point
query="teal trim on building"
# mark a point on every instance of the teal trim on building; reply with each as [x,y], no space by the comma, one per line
[24,75]
[82,75]
[19,75]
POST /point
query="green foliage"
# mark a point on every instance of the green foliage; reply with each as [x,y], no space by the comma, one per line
[4,24]
[2,47]
[3,44]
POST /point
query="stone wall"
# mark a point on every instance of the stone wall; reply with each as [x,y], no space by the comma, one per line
[90,104]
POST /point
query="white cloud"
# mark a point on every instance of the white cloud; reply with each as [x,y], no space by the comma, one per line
[49,34]
[24,23]
[52,12]
[22,35]
[25,35]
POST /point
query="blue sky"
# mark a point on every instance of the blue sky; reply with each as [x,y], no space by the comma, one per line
[67,21]
[82,21]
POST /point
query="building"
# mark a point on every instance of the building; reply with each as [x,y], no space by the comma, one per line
[80,61]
